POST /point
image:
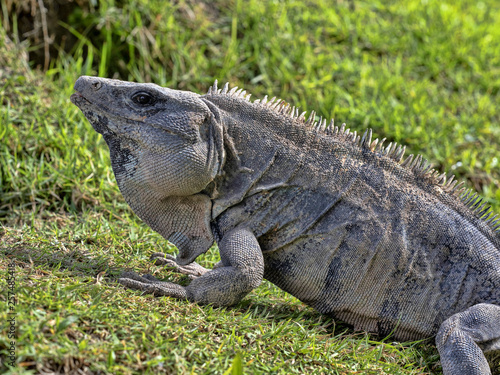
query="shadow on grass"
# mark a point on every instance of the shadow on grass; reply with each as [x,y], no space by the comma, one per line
[272,308]
[78,262]
[81,263]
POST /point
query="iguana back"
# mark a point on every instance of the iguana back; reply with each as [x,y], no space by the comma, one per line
[348,229]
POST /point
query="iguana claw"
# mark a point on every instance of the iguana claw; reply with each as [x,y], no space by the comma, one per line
[192,270]
[150,285]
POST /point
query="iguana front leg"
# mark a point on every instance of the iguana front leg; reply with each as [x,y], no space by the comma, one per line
[464,337]
[241,270]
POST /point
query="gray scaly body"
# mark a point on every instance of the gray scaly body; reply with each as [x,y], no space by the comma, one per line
[344,223]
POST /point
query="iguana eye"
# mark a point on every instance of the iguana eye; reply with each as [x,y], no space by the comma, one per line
[143,98]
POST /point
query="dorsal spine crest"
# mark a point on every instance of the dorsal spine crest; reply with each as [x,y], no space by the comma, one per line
[419,166]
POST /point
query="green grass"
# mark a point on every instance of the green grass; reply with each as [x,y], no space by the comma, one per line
[422,73]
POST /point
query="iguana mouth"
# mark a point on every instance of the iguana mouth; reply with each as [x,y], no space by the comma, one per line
[78,99]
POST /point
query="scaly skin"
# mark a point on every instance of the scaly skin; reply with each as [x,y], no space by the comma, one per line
[345,225]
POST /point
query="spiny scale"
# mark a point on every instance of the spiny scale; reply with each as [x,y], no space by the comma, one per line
[417,164]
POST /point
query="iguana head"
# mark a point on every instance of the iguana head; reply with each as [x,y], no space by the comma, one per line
[165,147]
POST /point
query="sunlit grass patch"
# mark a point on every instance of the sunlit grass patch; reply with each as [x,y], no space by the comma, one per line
[424,74]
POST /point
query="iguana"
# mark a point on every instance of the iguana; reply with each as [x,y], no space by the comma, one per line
[344,223]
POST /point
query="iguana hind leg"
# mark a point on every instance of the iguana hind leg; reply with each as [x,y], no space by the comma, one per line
[464,337]
[241,269]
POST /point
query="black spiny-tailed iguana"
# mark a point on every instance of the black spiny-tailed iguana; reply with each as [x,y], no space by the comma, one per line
[345,224]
